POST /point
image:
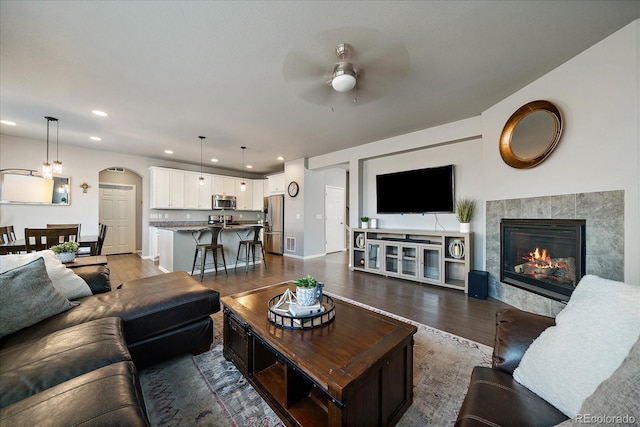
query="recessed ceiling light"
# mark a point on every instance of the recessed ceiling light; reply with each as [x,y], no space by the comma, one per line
[249,167]
[95,138]
[214,160]
[99,113]
[280,158]
[8,122]
[168,151]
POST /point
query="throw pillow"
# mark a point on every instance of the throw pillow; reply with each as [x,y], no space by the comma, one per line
[592,336]
[63,278]
[27,297]
[617,400]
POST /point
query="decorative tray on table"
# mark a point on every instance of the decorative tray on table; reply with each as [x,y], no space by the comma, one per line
[286,313]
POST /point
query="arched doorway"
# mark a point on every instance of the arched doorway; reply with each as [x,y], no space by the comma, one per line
[121,210]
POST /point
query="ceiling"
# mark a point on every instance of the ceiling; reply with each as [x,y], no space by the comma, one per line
[167,72]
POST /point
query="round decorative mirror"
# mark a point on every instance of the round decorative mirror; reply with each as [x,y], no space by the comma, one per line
[531,134]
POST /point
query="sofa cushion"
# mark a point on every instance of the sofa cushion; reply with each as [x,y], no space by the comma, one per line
[109,396]
[494,398]
[96,276]
[27,296]
[592,336]
[148,307]
[37,365]
[63,278]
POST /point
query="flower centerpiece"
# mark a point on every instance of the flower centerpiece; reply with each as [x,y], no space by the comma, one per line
[464,212]
[66,252]
[306,290]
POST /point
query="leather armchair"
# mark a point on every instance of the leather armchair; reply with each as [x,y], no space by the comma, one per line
[494,397]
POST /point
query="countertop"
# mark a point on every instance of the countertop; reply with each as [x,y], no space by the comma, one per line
[194,227]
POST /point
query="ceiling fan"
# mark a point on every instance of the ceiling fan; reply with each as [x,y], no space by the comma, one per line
[367,67]
[344,76]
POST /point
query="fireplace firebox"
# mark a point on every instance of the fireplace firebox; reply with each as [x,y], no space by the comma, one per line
[544,256]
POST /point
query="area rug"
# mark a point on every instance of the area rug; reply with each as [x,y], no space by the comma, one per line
[207,390]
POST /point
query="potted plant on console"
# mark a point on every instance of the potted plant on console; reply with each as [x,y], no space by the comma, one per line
[464,212]
[364,222]
[306,293]
[66,252]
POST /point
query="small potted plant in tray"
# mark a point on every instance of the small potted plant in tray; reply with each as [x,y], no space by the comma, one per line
[66,252]
[306,292]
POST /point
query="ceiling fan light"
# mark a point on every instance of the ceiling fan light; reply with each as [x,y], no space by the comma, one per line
[343,81]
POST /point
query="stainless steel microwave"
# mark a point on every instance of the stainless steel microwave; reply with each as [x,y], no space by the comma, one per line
[222,201]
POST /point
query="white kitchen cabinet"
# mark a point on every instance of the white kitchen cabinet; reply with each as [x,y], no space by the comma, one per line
[197,196]
[244,199]
[258,194]
[167,188]
[224,185]
[153,243]
[165,250]
[276,183]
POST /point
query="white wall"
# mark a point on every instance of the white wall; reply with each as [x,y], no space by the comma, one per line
[598,95]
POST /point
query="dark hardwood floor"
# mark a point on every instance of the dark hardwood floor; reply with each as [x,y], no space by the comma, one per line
[441,308]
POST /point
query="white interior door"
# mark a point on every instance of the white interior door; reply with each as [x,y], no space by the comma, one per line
[334,217]
[117,211]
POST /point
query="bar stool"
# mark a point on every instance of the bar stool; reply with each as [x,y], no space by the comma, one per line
[249,244]
[207,240]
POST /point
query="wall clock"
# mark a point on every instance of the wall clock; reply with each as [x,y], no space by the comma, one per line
[293,189]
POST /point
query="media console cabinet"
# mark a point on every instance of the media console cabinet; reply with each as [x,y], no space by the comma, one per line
[437,258]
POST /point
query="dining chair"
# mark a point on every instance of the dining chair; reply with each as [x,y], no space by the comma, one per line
[102,234]
[67,226]
[7,235]
[39,239]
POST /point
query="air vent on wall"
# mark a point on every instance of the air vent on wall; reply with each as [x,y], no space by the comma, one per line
[118,170]
[290,244]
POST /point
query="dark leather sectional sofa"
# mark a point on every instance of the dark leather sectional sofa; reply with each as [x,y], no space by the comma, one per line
[494,397]
[80,367]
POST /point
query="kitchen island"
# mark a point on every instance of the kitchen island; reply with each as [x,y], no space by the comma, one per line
[176,246]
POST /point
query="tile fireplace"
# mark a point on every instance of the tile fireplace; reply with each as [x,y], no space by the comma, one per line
[544,256]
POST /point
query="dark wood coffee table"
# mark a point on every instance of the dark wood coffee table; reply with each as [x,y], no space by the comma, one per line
[356,370]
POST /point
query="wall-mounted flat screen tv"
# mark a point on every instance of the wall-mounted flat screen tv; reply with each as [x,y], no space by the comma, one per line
[429,190]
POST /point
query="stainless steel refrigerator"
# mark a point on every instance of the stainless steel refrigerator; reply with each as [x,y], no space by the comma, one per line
[274,224]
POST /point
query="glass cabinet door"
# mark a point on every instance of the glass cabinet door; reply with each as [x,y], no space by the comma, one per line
[374,254]
[409,261]
[391,258]
[430,269]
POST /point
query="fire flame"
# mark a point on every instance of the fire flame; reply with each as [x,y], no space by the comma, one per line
[541,258]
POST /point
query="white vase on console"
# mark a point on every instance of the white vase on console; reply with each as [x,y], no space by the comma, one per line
[465,227]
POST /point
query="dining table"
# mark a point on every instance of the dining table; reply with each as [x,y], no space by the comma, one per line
[88,241]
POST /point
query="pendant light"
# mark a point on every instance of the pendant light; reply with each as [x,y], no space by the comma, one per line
[201,179]
[47,170]
[243,185]
[57,164]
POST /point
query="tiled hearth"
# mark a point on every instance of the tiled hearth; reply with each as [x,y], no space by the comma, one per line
[604,215]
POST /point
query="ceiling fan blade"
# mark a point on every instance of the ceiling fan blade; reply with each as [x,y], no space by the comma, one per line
[319,94]
[392,61]
[298,65]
